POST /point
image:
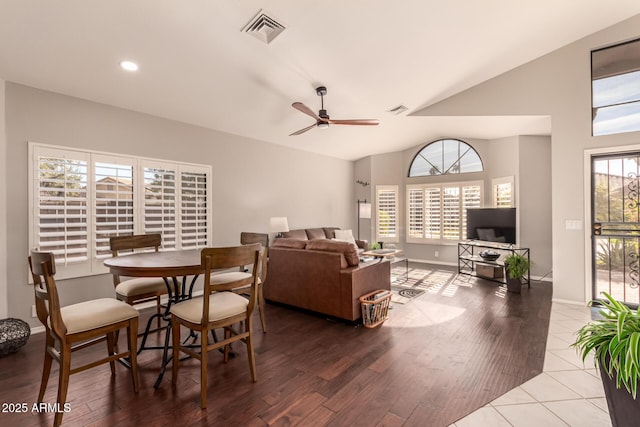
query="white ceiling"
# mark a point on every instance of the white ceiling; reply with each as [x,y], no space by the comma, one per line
[198,67]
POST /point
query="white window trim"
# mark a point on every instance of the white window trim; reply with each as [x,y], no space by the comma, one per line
[94,265]
[428,241]
[390,239]
[494,194]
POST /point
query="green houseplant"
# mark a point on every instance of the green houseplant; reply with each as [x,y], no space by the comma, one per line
[615,343]
[516,267]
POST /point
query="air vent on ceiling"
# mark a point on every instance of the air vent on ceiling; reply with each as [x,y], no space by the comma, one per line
[263,27]
[398,110]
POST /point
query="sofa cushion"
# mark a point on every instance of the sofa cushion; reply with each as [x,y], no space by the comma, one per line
[295,234]
[330,232]
[346,249]
[285,242]
[346,236]
[315,233]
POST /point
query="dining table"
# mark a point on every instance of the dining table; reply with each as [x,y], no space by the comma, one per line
[170,265]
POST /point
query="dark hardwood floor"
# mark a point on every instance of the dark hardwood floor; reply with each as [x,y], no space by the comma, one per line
[443,355]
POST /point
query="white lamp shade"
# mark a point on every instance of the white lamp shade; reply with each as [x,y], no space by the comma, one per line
[278,224]
[364,210]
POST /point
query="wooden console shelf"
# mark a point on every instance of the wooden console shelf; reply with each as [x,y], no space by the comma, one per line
[472,264]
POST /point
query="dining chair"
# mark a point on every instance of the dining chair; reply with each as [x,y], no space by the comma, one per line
[247,238]
[140,289]
[218,307]
[78,326]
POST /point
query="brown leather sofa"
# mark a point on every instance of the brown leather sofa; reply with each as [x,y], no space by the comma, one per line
[322,276]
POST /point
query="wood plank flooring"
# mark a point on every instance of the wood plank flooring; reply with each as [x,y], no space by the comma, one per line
[441,356]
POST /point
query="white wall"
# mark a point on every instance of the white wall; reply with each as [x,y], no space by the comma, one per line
[3,208]
[252,180]
[557,85]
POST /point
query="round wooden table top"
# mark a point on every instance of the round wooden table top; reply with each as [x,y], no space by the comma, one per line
[156,264]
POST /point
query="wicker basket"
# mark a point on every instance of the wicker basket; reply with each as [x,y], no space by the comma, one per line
[375,307]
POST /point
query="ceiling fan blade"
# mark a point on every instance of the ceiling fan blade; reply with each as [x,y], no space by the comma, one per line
[304,109]
[358,122]
[303,130]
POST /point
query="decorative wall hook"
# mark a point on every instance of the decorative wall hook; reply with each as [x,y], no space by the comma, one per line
[363,183]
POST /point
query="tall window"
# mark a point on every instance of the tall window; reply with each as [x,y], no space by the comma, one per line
[502,192]
[80,199]
[387,213]
[439,212]
[615,79]
[444,157]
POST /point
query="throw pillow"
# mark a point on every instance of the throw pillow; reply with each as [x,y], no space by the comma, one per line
[315,233]
[346,236]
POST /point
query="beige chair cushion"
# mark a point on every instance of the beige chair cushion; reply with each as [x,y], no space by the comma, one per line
[221,306]
[141,286]
[94,314]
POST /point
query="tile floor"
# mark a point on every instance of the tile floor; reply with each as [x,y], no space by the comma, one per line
[567,393]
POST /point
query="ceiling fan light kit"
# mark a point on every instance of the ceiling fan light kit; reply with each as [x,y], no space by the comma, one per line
[322,118]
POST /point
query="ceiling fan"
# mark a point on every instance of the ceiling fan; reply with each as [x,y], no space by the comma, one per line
[322,118]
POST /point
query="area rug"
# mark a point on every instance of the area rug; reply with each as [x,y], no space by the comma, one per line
[407,284]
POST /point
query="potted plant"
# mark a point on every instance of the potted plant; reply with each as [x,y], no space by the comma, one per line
[615,343]
[516,267]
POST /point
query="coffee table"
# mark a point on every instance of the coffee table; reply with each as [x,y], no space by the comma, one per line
[381,254]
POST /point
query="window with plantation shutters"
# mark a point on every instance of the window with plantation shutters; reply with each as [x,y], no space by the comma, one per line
[416,213]
[387,213]
[193,208]
[503,192]
[80,199]
[112,202]
[160,202]
[438,212]
[61,208]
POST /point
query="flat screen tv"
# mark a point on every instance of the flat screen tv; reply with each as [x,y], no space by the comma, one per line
[492,224]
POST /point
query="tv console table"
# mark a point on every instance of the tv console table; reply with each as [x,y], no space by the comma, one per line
[469,260]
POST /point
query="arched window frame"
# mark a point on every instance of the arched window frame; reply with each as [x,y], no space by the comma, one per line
[460,143]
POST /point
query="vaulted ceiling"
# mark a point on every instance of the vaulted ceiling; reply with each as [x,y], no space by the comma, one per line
[198,66]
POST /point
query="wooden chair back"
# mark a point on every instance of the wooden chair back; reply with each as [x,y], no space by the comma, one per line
[228,258]
[43,268]
[130,243]
[137,241]
[247,238]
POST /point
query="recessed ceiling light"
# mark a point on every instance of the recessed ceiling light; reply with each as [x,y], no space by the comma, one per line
[129,65]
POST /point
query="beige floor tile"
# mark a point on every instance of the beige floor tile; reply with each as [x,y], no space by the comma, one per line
[483,417]
[515,396]
[583,383]
[545,388]
[530,415]
[556,343]
[568,337]
[571,356]
[553,362]
[601,403]
[580,413]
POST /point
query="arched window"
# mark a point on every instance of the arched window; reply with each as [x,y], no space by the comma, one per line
[445,156]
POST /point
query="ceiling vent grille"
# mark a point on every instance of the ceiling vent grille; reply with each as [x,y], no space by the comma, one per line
[264,28]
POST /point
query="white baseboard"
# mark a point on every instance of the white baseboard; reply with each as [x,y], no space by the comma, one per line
[571,302]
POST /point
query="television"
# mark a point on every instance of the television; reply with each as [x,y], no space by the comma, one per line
[492,224]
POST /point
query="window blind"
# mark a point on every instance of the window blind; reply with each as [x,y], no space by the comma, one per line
[438,212]
[387,212]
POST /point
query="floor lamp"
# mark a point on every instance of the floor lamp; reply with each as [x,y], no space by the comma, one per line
[364,212]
